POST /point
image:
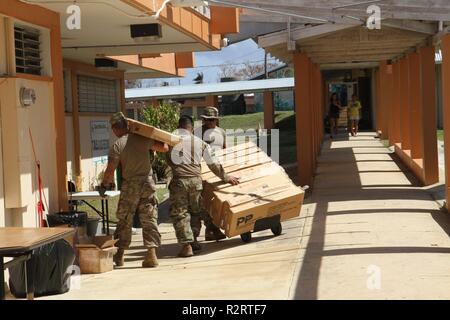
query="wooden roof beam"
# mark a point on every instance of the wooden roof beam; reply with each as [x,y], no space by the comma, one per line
[351,65]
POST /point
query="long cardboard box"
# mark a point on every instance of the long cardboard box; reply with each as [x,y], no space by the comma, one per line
[242,218]
[243,161]
[254,190]
[265,191]
[152,132]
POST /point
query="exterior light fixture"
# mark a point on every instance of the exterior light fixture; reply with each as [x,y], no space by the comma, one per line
[224,42]
[27,96]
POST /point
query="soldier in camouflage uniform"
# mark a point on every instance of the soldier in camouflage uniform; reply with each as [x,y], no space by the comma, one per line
[132,152]
[186,185]
[215,136]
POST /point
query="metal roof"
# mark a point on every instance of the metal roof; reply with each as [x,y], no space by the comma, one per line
[206,89]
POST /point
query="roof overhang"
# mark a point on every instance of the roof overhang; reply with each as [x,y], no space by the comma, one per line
[347,46]
[105,31]
[154,65]
[333,33]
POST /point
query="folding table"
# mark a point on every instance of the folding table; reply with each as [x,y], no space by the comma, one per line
[87,196]
[19,243]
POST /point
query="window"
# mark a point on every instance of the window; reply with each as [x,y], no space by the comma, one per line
[97,95]
[28,50]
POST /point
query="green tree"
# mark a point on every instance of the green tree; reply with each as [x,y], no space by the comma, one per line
[165,117]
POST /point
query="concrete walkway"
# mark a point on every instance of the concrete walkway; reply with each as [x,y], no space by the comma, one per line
[367,231]
[370,231]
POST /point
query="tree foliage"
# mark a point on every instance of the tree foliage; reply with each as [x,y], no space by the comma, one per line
[245,71]
[165,117]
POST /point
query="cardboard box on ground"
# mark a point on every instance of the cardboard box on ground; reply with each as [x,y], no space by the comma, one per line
[265,190]
[96,254]
[152,132]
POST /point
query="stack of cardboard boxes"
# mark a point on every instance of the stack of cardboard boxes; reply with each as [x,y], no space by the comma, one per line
[265,190]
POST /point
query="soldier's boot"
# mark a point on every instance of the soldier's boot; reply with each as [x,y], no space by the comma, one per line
[195,245]
[150,261]
[213,233]
[186,251]
[118,257]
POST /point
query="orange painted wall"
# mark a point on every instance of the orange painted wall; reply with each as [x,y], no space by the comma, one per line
[224,20]
[302,65]
[184,60]
[48,19]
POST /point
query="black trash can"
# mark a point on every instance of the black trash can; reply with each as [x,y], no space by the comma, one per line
[53,265]
[92,226]
[72,218]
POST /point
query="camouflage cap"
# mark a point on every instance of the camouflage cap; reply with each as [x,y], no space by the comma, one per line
[210,113]
[116,118]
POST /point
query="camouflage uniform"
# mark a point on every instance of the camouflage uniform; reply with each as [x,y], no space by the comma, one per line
[137,197]
[185,209]
[216,139]
[137,194]
[186,186]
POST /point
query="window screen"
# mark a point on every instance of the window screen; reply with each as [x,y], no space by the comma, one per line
[97,95]
[28,50]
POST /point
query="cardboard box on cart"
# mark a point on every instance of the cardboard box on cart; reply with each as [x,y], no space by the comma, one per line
[242,218]
[96,254]
[256,181]
[265,191]
[244,167]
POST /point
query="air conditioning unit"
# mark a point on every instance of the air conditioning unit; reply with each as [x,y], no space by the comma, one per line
[105,64]
[188,3]
[147,31]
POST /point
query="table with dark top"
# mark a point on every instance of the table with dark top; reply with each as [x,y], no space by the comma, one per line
[19,243]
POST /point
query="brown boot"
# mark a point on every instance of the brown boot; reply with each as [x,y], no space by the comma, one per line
[196,246]
[186,251]
[118,257]
[212,233]
[150,261]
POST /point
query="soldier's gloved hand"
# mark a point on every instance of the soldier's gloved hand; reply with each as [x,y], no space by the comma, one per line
[102,190]
[233,180]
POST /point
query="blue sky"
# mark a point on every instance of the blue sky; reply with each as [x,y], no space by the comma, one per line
[207,62]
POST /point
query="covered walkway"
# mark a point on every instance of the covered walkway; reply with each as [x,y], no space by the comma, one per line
[366,222]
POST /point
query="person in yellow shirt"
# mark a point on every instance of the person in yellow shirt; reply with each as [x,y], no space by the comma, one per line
[354,114]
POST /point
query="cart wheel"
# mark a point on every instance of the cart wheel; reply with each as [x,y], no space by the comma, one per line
[246,237]
[276,230]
